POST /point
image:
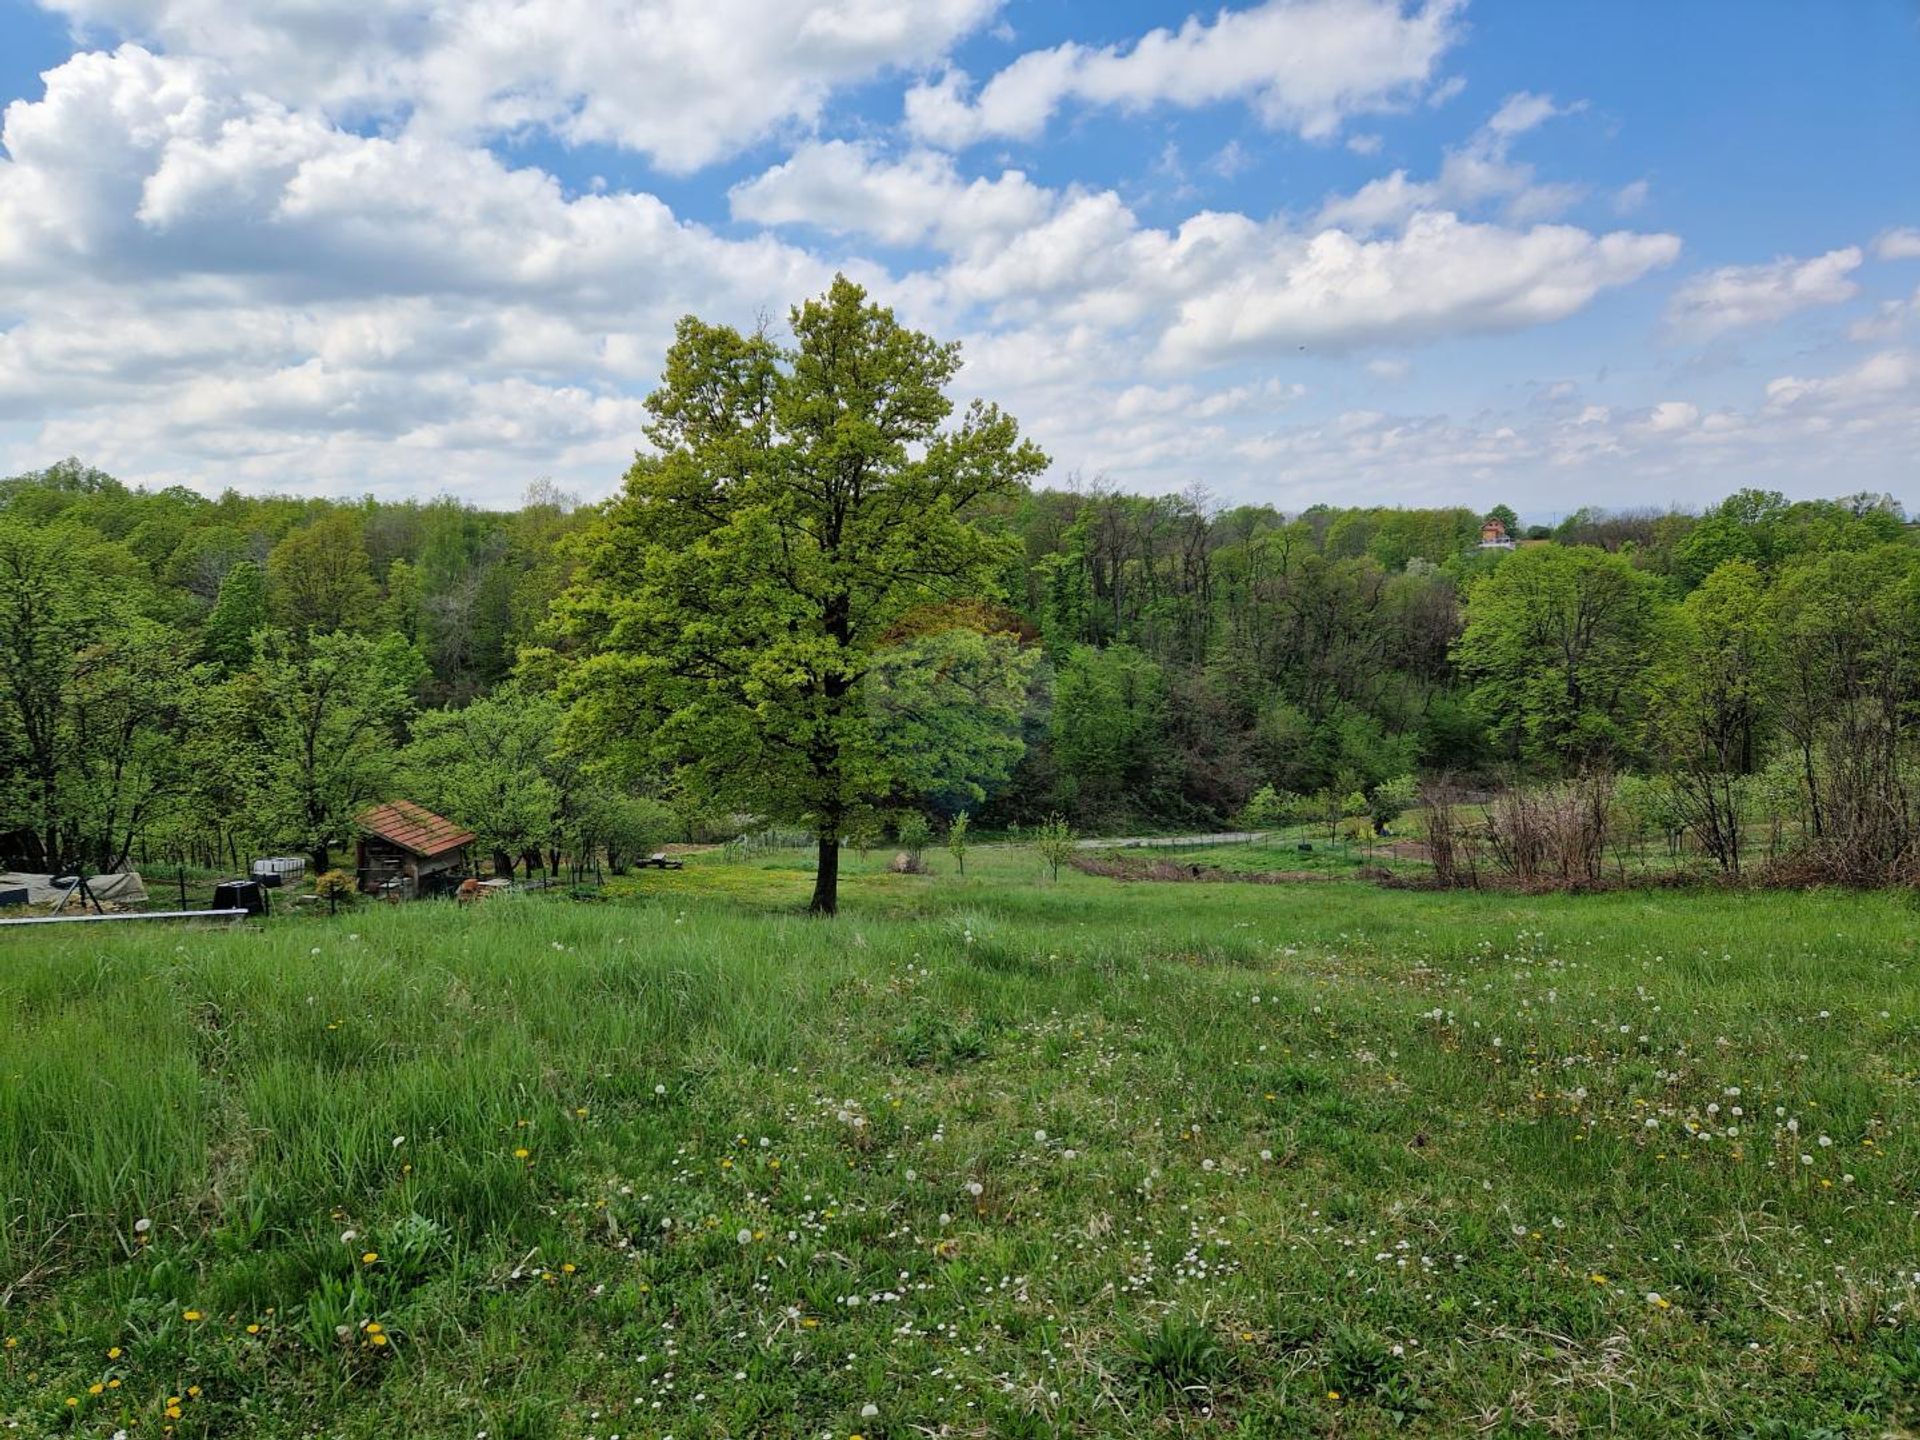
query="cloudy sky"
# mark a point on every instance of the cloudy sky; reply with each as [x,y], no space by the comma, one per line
[1613,252]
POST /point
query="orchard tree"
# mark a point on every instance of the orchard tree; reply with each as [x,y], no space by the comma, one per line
[320,722]
[486,766]
[1710,703]
[806,504]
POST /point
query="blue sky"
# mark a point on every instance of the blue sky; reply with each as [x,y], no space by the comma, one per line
[1399,251]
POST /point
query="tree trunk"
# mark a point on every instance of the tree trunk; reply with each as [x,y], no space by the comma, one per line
[321,858]
[502,865]
[826,878]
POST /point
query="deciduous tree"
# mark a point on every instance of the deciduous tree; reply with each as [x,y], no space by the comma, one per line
[738,598]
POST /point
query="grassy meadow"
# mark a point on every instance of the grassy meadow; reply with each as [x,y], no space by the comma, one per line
[987,1156]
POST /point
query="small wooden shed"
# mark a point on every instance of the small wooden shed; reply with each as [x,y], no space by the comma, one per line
[406,849]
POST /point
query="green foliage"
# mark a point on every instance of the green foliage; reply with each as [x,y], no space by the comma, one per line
[957,841]
[752,597]
[334,886]
[1106,729]
[239,614]
[1181,1357]
[1191,655]
[913,832]
[1054,842]
[1556,645]
[1268,808]
[320,577]
[490,766]
[318,726]
[1390,799]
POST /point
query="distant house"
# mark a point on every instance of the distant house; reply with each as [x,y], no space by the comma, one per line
[407,850]
[1493,534]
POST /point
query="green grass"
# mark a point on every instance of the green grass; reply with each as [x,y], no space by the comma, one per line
[1250,1160]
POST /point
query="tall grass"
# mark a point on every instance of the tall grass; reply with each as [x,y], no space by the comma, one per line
[547,1121]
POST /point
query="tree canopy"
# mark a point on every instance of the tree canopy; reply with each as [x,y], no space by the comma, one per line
[743,603]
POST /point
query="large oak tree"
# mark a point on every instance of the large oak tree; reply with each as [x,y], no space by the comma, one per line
[809,505]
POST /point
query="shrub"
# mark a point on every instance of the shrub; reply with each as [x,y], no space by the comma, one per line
[913,832]
[334,886]
[1053,842]
[957,840]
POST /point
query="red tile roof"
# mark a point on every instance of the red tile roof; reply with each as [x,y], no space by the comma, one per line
[414,828]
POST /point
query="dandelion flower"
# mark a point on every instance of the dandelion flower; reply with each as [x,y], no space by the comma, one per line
[191,1316]
[369,1257]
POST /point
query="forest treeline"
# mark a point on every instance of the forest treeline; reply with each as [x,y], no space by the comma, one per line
[203,679]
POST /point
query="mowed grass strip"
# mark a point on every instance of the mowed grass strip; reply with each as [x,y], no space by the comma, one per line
[986,1156]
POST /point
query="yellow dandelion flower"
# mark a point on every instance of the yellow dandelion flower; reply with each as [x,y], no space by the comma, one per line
[193,1392]
[96,1388]
[191,1315]
[522,1153]
[370,1257]
[253,1329]
[376,1339]
[112,1354]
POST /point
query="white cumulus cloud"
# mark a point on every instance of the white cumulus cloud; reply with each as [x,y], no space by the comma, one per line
[1304,65]
[1902,244]
[687,82]
[1738,297]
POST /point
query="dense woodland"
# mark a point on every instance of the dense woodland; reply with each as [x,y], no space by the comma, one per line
[201,679]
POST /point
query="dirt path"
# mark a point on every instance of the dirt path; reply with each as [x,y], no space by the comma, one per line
[1133,842]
